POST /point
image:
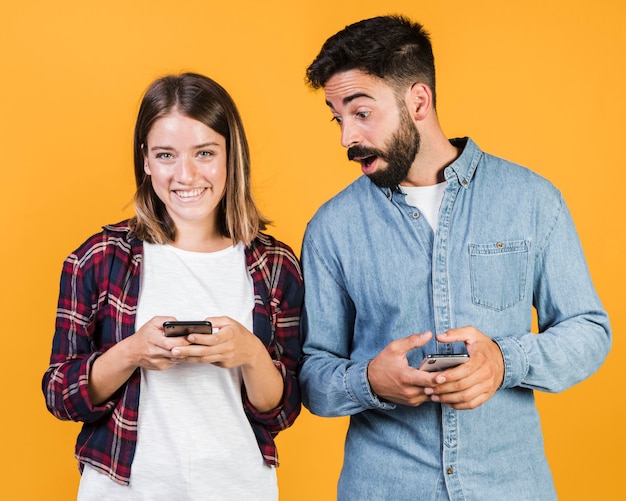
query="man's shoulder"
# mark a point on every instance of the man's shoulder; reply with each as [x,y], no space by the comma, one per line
[496,168]
[355,194]
[346,213]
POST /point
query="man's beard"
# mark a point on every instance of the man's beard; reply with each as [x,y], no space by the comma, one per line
[399,154]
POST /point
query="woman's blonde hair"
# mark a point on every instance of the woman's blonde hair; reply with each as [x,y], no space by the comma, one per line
[202,99]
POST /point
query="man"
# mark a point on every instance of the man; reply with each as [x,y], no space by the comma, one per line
[437,237]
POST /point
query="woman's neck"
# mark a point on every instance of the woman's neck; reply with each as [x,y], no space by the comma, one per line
[195,238]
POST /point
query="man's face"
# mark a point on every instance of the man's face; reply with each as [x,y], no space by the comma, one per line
[378,133]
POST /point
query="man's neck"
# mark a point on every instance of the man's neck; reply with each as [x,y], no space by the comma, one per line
[435,154]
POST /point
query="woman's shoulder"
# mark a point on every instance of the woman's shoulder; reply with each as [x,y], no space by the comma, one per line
[268,243]
[266,249]
[123,227]
[112,238]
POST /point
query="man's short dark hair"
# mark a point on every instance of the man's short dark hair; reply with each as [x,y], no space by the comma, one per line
[390,47]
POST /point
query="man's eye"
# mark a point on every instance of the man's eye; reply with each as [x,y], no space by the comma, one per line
[336,119]
[363,114]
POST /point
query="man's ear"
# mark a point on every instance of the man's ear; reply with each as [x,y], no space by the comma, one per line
[419,101]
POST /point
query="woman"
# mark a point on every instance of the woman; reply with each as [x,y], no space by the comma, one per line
[188,417]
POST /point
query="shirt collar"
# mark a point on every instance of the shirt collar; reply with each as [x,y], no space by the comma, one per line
[464,167]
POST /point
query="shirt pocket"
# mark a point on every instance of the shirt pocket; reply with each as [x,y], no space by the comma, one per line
[498,273]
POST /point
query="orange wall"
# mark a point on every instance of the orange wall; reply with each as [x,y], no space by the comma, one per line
[539,82]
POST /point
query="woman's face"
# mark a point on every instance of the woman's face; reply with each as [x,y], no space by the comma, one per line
[186,161]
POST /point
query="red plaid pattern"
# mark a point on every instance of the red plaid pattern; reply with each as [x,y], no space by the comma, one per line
[97,304]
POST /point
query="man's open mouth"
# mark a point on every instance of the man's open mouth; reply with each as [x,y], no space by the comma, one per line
[367,161]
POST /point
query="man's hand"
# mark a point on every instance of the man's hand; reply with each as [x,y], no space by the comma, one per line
[392,379]
[473,383]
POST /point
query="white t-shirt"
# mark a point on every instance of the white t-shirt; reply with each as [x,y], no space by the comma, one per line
[194,440]
[427,199]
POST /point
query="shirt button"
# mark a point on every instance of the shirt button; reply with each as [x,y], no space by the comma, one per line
[416,214]
[450,470]
[500,245]
[464,182]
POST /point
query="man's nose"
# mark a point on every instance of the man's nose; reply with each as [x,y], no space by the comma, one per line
[349,135]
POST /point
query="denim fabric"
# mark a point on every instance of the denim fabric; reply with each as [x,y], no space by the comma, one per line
[375,271]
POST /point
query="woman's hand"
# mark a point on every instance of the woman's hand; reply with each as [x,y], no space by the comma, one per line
[147,348]
[235,346]
[231,345]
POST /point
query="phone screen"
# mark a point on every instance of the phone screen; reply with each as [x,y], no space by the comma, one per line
[182,328]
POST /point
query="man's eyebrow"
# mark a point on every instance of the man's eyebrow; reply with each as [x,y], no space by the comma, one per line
[351,97]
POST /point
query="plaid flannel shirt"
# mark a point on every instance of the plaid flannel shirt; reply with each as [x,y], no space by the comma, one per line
[97,306]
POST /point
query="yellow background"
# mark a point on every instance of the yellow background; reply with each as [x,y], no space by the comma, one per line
[538,82]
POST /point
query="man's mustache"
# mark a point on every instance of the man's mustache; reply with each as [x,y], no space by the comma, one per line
[362,152]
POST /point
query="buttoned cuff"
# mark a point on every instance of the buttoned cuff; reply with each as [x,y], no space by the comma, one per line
[358,388]
[516,363]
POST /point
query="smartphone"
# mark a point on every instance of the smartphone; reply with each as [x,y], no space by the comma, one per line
[439,362]
[182,328]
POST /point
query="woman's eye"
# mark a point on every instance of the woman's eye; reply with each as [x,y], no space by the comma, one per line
[164,156]
[205,154]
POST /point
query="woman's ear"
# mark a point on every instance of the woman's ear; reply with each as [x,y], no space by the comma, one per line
[146,166]
[419,101]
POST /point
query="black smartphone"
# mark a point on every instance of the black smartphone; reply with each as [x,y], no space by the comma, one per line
[441,361]
[182,328]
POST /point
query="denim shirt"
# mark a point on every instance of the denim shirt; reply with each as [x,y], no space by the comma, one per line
[375,271]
